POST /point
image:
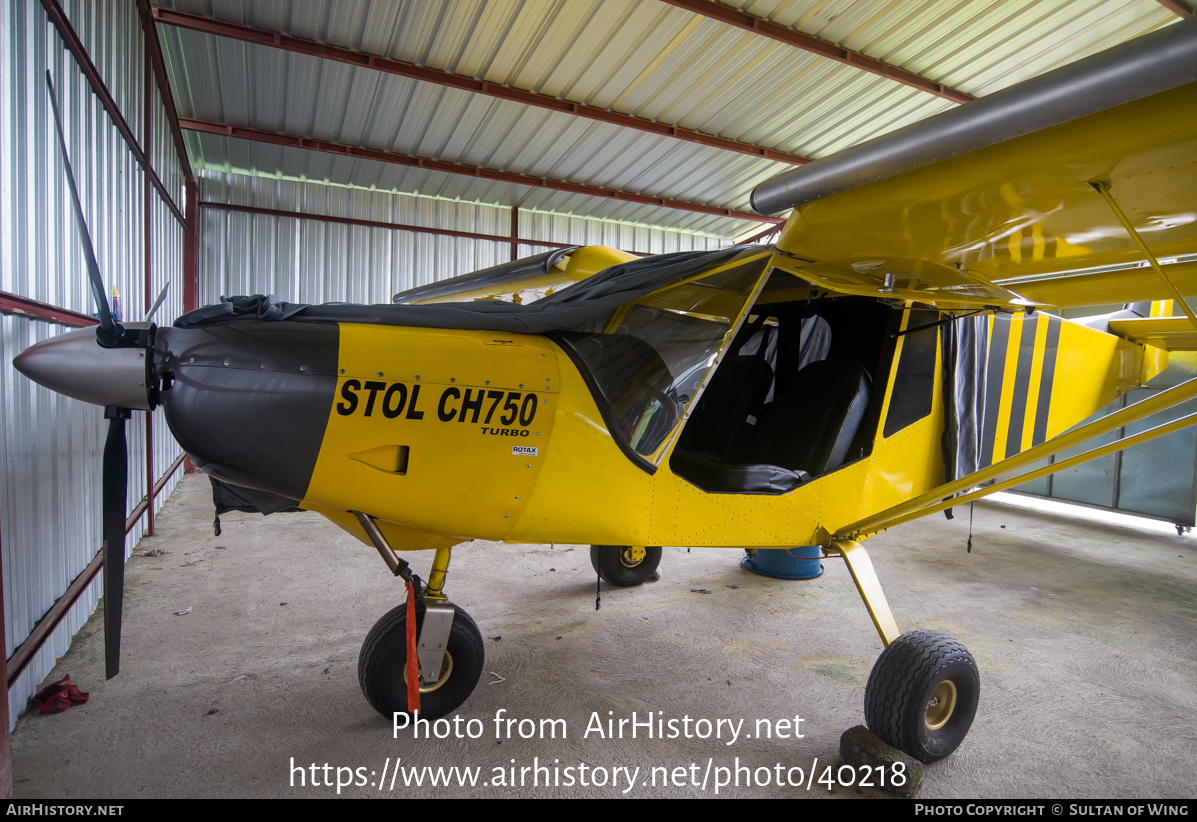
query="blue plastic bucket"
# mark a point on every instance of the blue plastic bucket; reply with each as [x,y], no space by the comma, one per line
[801,562]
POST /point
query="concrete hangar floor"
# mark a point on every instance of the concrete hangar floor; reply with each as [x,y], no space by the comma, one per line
[1084,635]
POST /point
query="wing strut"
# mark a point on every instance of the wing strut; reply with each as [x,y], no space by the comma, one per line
[941,497]
[1104,190]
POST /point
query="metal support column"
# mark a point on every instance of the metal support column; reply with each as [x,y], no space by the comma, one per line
[148,251]
[190,262]
[515,232]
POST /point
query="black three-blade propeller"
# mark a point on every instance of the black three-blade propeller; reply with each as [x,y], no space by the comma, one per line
[115,484]
[115,481]
[110,330]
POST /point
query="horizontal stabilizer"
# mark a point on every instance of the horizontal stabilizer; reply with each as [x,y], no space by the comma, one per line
[1169,333]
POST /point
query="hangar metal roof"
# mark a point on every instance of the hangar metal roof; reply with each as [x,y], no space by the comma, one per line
[683,63]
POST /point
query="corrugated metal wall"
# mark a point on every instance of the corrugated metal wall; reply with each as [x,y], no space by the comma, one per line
[1156,479]
[315,262]
[50,454]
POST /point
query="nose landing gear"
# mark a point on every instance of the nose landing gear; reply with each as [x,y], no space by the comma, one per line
[382,664]
[448,644]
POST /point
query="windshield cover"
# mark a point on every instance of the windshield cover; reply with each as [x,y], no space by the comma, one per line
[649,358]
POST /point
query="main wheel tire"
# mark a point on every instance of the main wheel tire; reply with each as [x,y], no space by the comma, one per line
[382,665]
[922,694]
[615,564]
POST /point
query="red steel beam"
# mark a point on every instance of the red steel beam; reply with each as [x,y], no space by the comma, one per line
[515,233]
[756,238]
[298,45]
[148,263]
[444,232]
[273,138]
[147,217]
[149,468]
[328,218]
[1177,7]
[24,654]
[191,262]
[191,248]
[71,40]
[154,49]
[25,307]
[783,34]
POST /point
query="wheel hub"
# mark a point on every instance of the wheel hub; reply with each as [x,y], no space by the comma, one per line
[446,669]
[632,555]
[941,706]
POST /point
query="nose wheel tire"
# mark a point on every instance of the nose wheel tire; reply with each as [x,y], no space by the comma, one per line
[621,566]
[922,694]
[382,665]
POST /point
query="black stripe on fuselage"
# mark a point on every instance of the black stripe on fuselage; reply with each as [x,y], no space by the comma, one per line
[1045,381]
[1022,385]
[994,369]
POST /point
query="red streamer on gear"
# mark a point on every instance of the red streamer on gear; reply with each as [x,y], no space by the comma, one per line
[413,665]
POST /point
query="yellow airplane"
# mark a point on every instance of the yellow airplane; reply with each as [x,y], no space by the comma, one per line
[886,359]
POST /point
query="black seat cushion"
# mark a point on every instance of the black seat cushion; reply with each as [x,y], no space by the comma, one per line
[714,474]
[812,422]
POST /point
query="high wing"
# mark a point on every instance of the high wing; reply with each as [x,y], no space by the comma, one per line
[520,281]
[999,201]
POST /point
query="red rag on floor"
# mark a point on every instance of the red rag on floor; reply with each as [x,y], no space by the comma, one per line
[56,698]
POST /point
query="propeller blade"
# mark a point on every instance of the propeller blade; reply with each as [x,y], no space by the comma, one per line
[115,486]
[158,302]
[109,328]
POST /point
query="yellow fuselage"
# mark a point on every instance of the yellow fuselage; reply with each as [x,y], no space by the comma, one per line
[448,435]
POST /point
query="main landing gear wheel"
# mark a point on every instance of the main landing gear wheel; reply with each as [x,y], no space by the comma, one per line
[620,566]
[382,665]
[922,694]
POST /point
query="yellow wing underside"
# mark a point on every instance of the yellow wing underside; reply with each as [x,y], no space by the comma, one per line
[1021,216]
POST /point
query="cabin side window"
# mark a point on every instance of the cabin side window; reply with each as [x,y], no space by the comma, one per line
[914,382]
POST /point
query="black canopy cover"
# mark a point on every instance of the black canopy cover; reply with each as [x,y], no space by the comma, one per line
[568,308]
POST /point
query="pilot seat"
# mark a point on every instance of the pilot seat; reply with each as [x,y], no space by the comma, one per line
[806,431]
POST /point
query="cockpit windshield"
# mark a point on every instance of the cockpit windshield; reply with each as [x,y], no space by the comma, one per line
[646,361]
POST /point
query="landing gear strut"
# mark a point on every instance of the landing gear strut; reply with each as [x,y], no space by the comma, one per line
[449,645]
[922,694]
